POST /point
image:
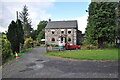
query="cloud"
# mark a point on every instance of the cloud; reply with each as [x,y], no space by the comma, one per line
[28,0]
[37,11]
[82,23]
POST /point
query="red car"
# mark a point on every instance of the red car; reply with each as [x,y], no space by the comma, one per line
[68,46]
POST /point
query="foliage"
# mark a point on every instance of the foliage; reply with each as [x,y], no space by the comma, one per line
[101,23]
[88,46]
[28,42]
[6,50]
[15,35]
[118,22]
[41,26]
[95,42]
[34,34]
[26,22]
[41,30]
[20,31]
[100,54]
[40,36]
[110,45]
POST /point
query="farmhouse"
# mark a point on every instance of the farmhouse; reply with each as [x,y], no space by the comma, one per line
[62,31]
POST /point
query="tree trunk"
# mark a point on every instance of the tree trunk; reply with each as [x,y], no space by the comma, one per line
[100,42]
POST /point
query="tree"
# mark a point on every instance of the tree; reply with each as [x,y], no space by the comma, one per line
[41,26]
[118,22]
[20,31]
[101,23]
[6,50]
[34,34]
[26,22]
[40,36]
[15,35]
[40,30]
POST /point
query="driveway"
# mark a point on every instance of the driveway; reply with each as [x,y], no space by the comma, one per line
[35,64]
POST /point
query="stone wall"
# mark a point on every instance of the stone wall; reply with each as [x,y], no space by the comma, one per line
[57,33]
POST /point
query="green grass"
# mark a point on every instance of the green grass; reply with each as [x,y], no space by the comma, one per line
[103,54]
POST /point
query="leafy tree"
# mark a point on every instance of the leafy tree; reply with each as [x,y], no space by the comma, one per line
[28,42]
[34,34]
[101,23]
[41,31]
[20,31]
[40,36]
[6,50]
[41,26]
[15,35]
[118,22]
[26,22]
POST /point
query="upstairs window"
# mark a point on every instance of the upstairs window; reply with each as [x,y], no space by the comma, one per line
[53,32]
[69,32]
[53,39]
[62,32]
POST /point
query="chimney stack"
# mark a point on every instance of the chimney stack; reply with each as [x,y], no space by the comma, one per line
[49,20]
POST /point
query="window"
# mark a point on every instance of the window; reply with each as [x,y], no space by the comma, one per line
[69,32]
[62,32]
[61,38]
[53,39]
[69,39]
[53,32]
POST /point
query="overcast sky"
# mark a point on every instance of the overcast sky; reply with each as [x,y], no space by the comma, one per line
[43,10]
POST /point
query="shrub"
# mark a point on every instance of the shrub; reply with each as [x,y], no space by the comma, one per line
[88,46]
[94,42]
[28,42]
[110,45]
[6,50]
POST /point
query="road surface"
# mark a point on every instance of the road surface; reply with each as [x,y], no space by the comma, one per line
[35,64]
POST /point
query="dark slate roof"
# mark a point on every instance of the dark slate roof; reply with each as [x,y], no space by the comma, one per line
[62,24]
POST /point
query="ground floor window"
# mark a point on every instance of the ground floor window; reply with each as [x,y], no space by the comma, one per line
[69,39]
[53,39]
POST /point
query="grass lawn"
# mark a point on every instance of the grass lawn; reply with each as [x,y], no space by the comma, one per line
[100,54]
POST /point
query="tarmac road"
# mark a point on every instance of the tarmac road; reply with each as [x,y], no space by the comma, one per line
[35,64]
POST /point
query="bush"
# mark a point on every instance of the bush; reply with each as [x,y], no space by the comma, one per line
[28,42]
[6,50]
[88,46]
[94,42]
[110,45]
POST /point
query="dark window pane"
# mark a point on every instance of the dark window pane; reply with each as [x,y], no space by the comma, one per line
[53,39]
[69,39]
[52,32]
[69,32]
[62,32]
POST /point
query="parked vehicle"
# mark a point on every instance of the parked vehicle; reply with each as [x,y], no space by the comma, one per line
[68,46]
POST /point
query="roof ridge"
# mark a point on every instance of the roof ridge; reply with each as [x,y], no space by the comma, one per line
[63,21]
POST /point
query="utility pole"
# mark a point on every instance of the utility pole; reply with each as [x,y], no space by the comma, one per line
[17,14]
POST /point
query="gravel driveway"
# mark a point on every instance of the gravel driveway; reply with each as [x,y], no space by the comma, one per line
[35,64]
